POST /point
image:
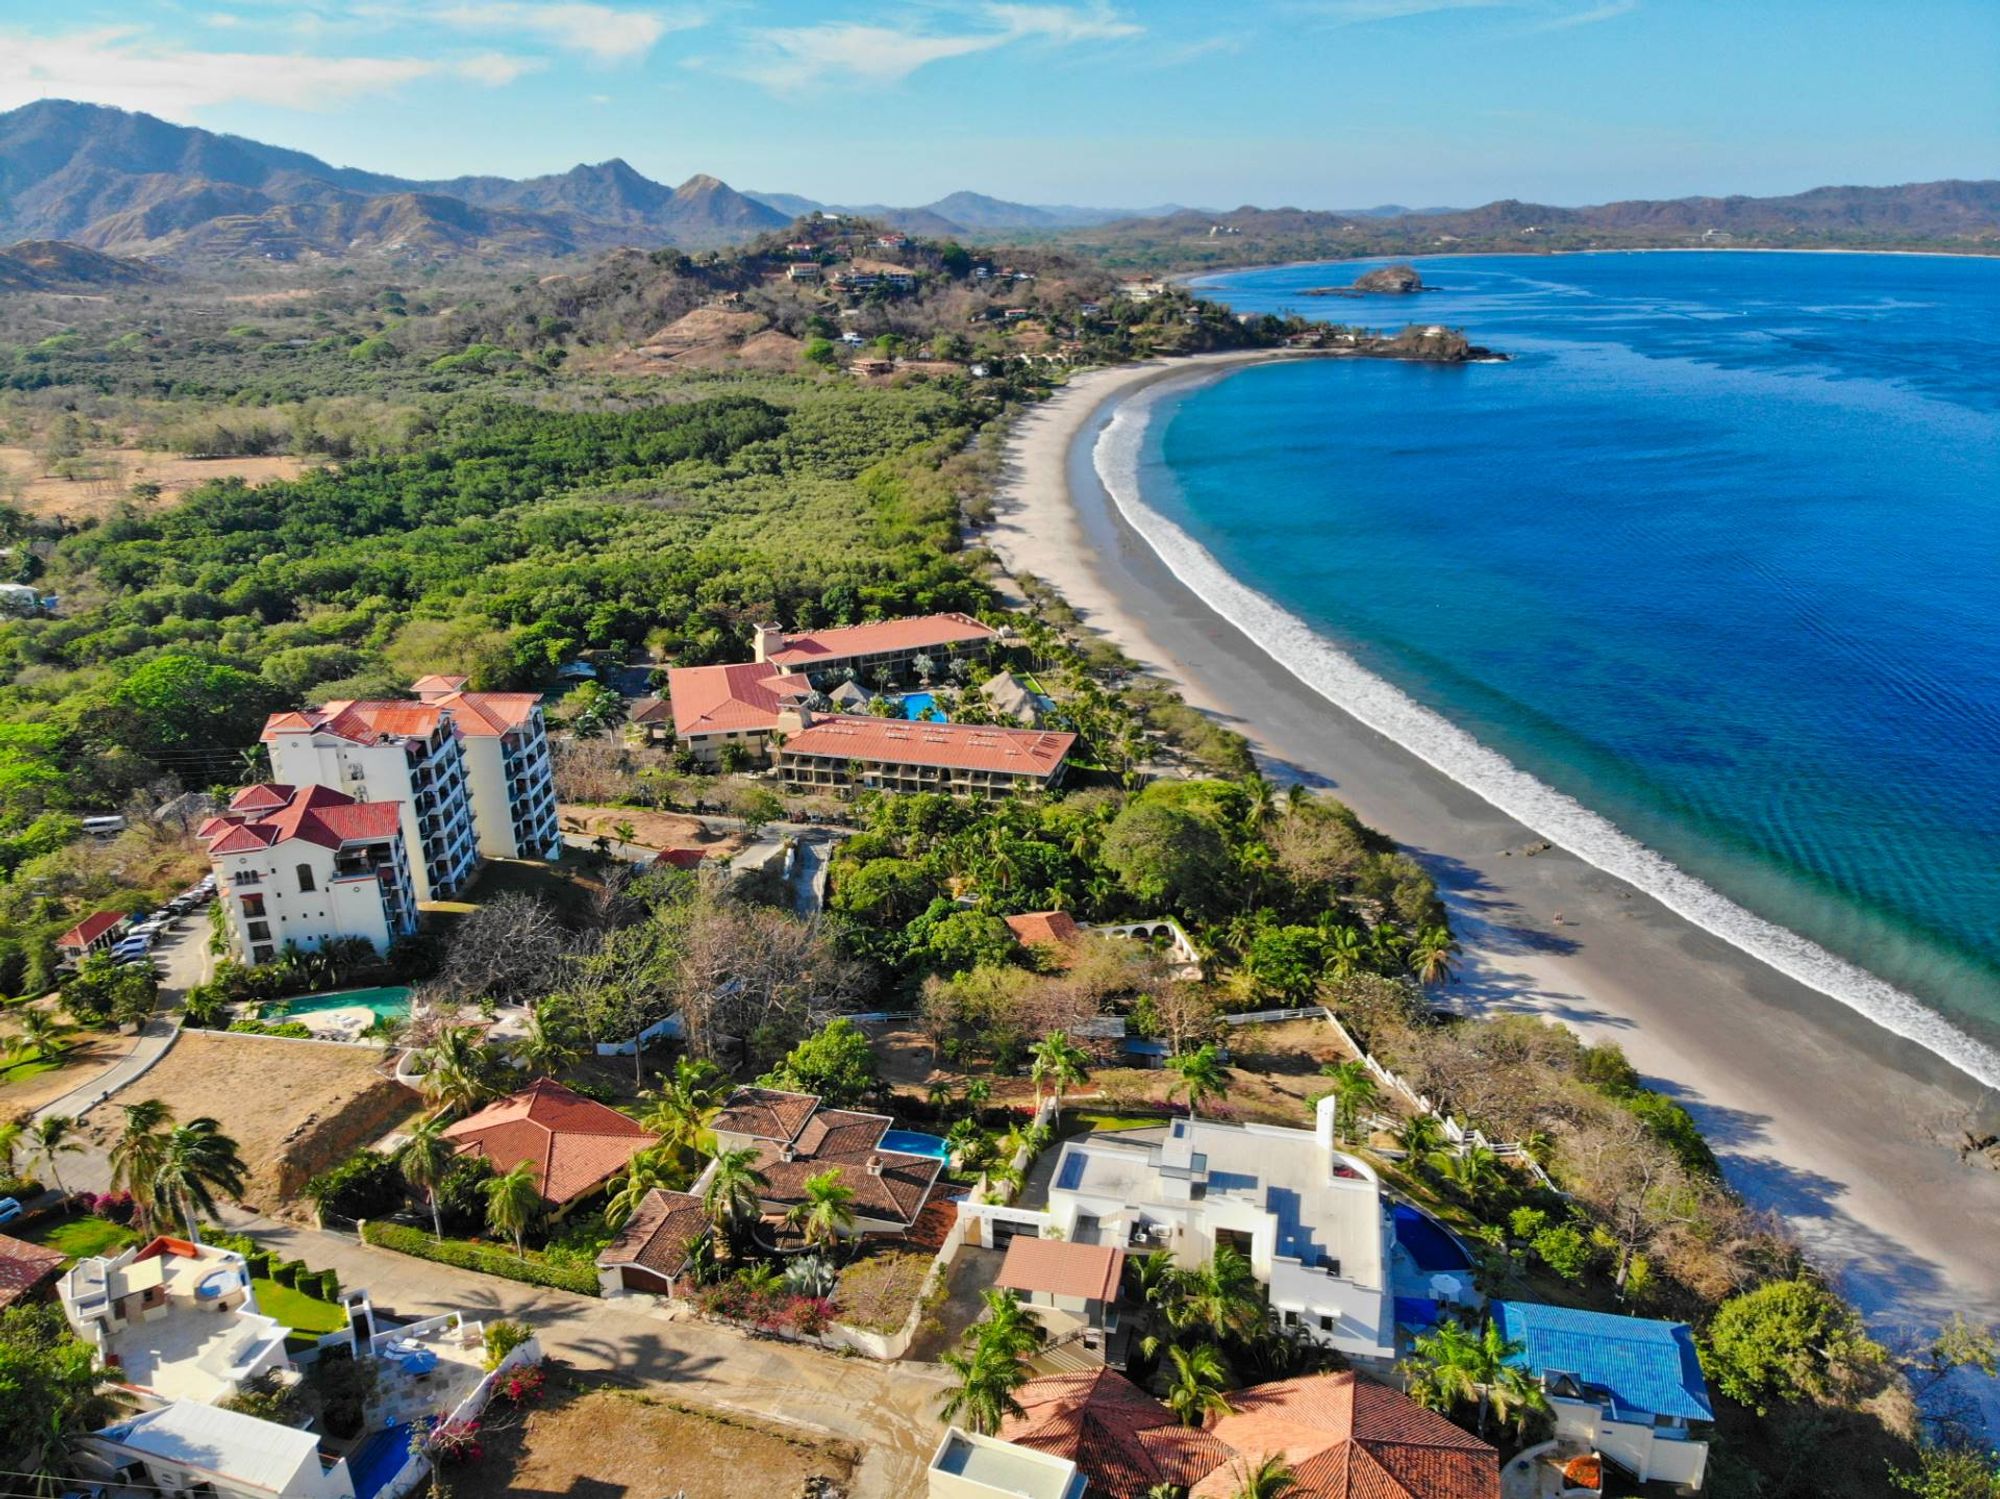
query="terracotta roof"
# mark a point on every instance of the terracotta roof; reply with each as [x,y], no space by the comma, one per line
[817,647]
[887,1184]
[951,745]
[488,715]
[425,687]
[90,929]
[1122,1439]
[765,1114]
[650,710]
[728,699]
[25,1268]
[1046,928]
[573,1142]
[679,858]
[1348,1438]
[660,1234]
[1057,1267]
[359,722]
[317,814]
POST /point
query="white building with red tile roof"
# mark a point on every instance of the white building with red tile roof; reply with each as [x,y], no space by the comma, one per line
[881,647]
[573,1144]
[510,777]
[735,704]
[796,1139]
[883,754]
[304,866]
[93,933]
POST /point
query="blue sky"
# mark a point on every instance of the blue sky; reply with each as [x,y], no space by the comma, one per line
[1313,103]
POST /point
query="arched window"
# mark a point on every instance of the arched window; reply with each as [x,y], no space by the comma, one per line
[305,877]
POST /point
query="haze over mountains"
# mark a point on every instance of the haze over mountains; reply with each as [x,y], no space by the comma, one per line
[131,185]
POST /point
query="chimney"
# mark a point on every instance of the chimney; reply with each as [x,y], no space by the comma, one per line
[768,640]
[1323,1121]
[874,1165]
[791,719]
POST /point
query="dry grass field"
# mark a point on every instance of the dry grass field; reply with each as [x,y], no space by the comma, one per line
[116,470]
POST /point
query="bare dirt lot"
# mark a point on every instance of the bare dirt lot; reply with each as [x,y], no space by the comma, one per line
[292,1107]
[610,1443]
[661,830]
[117,470]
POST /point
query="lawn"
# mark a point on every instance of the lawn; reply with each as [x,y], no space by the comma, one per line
[81,1238]
[307,1316]
[1089,1121]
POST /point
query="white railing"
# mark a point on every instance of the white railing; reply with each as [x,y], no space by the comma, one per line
[413,1470]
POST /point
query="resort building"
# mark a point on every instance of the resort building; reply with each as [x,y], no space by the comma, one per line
[405,754]
[737,704]
[796,1139]
[174,1319]
[574,1144]
[305,866]
[510,776]
[653,717]
[1310,1219]
[882,651]
[1628,1388]
[190,1448]
[655,1249]
[872,754]
[95,933]
[967,1465]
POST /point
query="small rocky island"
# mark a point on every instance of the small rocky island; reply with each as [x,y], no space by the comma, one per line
[1385,281]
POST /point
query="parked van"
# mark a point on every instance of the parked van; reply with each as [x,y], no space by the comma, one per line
[104,827]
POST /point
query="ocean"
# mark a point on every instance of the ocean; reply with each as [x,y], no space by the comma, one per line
[1703,585]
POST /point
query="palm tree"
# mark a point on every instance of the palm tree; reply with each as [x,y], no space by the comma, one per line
[424,1160]
[1155,1275]
[939,1093]
[731,1197]
[826,1208]
[50,1137]
[1221,1297]
[135,1154]
[1200,1074]
[1474,1172]
[1431,954]
[649,1169]
[1421,1139]
[40,1031]
[195,1160]
[1346,952]
[513,1203]
[684,1104]
[977,1091]
[624,831]
[546,1045]
[1354,1091]
[1451,1367]
[11,1134]
[1516,1395]
[1059,1065]
[1268,1480]
[454,1075]
[1195,1389]
[1260,801]
[983,1397]
[1009,1326]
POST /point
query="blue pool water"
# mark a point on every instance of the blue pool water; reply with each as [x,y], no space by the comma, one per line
[1433,1250]
[392,1001]
[1711,565]
[914,704]
[378,1460]
[912,1142]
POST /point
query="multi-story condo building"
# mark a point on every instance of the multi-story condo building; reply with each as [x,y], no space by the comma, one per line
[884,649]
[882,754]
[303,866]
[407,753]
[507,764]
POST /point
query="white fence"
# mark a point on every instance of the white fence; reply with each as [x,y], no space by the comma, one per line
[412,1472]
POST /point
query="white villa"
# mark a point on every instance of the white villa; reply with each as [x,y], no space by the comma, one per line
[967,1465]
[174,1319]
[191,1448]
[1310,1218]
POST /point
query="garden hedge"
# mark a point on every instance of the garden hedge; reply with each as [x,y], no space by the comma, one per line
[487,1259]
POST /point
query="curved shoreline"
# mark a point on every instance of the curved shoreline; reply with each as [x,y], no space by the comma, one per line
[1818,1113]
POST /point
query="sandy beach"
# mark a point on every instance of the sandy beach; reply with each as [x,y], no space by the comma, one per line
[1818,1114]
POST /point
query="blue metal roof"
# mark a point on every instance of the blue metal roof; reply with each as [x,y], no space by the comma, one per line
[1644,1366]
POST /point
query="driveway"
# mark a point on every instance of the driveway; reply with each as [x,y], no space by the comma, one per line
[972,1273]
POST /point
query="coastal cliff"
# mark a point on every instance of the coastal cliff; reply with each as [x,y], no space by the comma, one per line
[1383,281]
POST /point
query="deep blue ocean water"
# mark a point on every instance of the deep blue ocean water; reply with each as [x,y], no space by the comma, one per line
[1717,555]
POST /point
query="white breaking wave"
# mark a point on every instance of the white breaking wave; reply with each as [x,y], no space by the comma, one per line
[1560,818]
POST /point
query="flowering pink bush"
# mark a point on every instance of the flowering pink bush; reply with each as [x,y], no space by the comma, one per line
[519,1386]
[455,1442]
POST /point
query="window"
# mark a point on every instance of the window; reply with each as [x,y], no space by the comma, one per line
[1291,1319]
[260,931]
[1325,1323]
[305,878]
[263,954]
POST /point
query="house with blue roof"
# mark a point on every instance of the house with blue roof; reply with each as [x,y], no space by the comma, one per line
[1629,1388]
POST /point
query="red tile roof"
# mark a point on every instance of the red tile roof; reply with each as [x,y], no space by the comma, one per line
[954,746]
[488,715]
[90,929]
[650,710]
[572,1142]
[1057,1267]
[740,698]
[270,814]
[765,1114]
[1043,928]
[359,722]
[819,647]
[887,1184]
[1123,1440]
[1347,1438]
[660,1234]
[434,685]
[25,1268]
[679,858]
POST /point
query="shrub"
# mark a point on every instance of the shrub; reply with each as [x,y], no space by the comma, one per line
[461,1196]
[502,1338]
[286,1272]
[259,1264]
[115,1207]
[1790,1340]
[368,1184]
[455,1442]
[522,1386]
[1565,1250]
[488,1259]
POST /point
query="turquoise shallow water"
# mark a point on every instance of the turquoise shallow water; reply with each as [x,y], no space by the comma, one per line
[393,1002]
[1717,556]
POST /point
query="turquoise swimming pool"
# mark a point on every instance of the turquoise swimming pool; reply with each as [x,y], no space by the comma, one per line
[392,1001]
[914,1142]
[916,704]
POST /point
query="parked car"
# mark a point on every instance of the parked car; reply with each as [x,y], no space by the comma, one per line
[10,1209]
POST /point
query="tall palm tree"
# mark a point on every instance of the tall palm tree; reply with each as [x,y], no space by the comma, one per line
[1422,1139]
[1058,1065]
[454,1076]
[196,1161]
[1354,1091]
[50,1138]
[135,1154]
[1451,1367]
[680,1109]
[731,1197]
[1474,1171]
[1200,1074]
[546,1046]
[39,1031]
[1346,952]
[1155,1275]
[424,1160]
[1260,801]
[1195,1387]
[513,1203]
[1221,1297]
[826,1208]
[1009,1326]
[1270,1479]
[1516,1395]
[983,1396]
[649,1169]
[1431,954]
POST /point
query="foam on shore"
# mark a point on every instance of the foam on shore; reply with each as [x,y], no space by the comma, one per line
[1560,818]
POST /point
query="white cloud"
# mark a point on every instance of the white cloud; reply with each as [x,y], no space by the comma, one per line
[1608,11]
[118,65]
[1355,12]
[495,68]
[787,58]
[601,32]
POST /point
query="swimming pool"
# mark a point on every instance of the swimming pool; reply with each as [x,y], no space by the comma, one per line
[1434,1251]
[392,1001]
[912,1142]
[914,704]
[378,1460]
